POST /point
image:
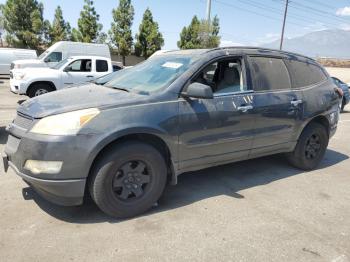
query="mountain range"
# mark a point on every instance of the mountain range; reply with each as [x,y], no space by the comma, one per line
[326,43]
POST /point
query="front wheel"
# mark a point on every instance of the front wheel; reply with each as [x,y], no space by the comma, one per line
[311,147]
[39,89]
[128,179]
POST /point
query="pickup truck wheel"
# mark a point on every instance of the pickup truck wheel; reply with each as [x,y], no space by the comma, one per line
[310,148]
[128,179]
[39,89]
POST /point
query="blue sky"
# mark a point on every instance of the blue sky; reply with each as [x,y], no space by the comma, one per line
[248,22]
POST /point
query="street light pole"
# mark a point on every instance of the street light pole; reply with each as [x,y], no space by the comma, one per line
[284,23]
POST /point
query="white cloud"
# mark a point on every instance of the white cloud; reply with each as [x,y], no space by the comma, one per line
[345,11]
[224,43]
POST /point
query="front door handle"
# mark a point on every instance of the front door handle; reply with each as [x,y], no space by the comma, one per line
[245,108]
[89,76]
[296,102]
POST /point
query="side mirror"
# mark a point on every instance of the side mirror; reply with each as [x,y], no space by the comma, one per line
[67,69]
[198,90]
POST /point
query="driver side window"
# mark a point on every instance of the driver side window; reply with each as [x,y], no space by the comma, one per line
[223,77]
[81,65]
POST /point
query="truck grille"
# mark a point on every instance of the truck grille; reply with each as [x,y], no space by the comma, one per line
[23,121]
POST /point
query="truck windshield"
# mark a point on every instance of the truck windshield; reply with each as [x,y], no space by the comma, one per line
[60,64]
[43,55]
[154,74]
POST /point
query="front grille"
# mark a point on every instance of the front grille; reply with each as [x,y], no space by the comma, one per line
[23,121]
[11,75]
[12,66]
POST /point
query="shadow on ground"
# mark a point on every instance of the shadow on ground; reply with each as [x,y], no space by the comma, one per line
[195,186]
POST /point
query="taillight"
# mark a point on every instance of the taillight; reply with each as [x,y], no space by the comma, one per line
[339,91]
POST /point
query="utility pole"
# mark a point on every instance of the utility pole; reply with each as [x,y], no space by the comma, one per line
[208,10]
[284,23]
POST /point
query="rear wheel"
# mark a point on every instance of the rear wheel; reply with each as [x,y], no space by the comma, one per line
[310,148]
[39,89]
[128,179]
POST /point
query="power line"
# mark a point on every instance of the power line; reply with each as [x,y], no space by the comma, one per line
[252,12]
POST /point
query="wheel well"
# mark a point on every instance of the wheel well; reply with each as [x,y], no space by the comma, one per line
[323,121]
[49,83]
[152,140]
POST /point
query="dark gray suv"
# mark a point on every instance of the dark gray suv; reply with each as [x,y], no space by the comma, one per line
[176,112]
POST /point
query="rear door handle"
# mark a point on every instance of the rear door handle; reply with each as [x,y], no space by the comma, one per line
[245,108]
[296,102]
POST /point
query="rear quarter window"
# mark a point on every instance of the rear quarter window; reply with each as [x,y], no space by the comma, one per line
[269,74]
[304,74]
[101,66]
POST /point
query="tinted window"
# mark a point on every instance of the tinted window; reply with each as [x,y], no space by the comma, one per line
[81,65]
[101,66]
[269,74]
[54,57]
[304,74]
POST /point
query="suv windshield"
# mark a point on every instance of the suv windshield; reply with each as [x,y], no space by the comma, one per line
[153,74]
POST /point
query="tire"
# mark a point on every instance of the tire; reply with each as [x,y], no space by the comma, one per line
[342,105]
[39,89]
[128,179]
[311,147]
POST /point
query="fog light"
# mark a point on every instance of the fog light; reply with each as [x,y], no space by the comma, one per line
[47,167]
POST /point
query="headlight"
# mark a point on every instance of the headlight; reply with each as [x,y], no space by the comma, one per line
[19,76]
[17,66]
[65,124]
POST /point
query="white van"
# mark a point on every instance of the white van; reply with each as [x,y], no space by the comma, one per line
[8,55]
[62,50]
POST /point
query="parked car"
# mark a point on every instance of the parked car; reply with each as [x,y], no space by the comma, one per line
[346,94]
[123,141]
[62,50]
[8,55]
[77,69]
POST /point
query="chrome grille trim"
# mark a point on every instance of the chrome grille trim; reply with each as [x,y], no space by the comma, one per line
[23,121]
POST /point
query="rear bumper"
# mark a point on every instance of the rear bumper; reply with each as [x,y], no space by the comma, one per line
[60,192]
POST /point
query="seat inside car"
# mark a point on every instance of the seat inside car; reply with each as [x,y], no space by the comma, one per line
[230,81]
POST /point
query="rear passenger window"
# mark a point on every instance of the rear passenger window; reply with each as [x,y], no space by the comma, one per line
[304,74]
[101,66]
[269,74]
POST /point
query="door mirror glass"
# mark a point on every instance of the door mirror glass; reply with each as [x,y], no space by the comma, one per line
[198,90]
[67,69]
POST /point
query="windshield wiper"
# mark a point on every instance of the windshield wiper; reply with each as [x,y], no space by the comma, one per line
[118,88]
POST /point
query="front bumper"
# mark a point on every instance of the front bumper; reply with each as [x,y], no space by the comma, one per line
[64,188]
[18,86]
[60,192]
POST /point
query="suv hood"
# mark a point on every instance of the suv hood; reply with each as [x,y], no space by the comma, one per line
[30,63]
[76,98]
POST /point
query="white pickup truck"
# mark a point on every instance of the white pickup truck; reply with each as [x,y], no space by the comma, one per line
[76,69]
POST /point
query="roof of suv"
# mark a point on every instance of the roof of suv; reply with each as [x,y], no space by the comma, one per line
[246,49]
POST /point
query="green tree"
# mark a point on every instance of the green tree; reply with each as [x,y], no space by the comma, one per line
[60,29]
[149,39]
[24,23]
[120,33]
[88,24]
[200,34]
[2,29]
